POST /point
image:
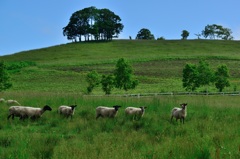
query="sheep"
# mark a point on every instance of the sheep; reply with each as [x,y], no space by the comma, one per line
[135,112]
[26,111]
[9,102]
[67,110]
[180,113]
[107,111]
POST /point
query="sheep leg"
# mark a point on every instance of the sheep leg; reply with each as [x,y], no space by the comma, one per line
[171,118]
[98,116]
[183,120]
[10,116]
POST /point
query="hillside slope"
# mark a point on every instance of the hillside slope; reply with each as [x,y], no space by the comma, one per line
[157,64]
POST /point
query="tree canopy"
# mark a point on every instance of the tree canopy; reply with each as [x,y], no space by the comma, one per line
[97,24]
[185,34]
[215,31]
[196,76]
[145,34]
[124,75]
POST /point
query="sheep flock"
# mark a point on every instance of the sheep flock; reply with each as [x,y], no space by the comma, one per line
[24,112]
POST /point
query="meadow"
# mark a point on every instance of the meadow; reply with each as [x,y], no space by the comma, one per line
[56,76]
[211,129]
[157,64]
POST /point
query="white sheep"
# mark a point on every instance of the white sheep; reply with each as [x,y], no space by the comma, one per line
[102,111]
[9,102]
[67,110]
[180,113]
[27,112]
[137,113]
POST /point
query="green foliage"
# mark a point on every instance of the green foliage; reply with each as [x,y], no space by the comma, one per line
[145,34]
[196,76]
[93,79]
[217,31]
[103,24]
[17,66]
[124,75]
[185,34]
[205,73]
[190,80]
[5,82]
[108,83]
[161,38]
[221,77]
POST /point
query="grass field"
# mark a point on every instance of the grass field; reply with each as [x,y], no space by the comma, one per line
[157,64]
[211,129]
[57,77]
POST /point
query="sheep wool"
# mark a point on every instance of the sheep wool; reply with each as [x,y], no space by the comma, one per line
[135,112]
[102,111]
[180,113]
[67,110]
[26,111]
[9,102]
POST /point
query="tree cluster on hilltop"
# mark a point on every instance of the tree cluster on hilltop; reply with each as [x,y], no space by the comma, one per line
[102,24]
[93,24]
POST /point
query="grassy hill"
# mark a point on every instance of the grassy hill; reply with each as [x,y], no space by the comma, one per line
[56,76]
[158,64]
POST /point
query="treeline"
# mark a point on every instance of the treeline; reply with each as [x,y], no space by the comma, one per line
[103,24]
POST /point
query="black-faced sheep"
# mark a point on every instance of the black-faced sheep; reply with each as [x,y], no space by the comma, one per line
[67,110]
[180,113]
[27,112]
[102,111]
[137,113]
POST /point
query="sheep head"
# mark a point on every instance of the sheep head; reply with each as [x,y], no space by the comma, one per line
[116,107]
[183,105]
[143,108]
[46,107]
[73,106]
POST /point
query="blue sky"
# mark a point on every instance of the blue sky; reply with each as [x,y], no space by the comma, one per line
[33,24]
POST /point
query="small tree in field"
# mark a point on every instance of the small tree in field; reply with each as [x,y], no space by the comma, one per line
[107,83]
[93,79]
[185,34]
[195,76]
[4,78]
[190,75]
[221,77]
[124,76]
[205,73]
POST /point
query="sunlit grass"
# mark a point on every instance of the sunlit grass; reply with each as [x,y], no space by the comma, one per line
[211,129]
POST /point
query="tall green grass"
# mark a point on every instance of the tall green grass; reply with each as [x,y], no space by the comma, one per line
[211,129]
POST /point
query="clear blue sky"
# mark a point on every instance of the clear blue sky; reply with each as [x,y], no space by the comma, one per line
[33,24]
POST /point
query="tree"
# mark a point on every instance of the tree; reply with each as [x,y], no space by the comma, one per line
[5,82]
[221,77]
[185,34]
[205,73]
[93,79]
[196,76]
[124,75]
[217,31]
[108,24]
[103,24]
[190,74]
[108,83]
[145,34]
